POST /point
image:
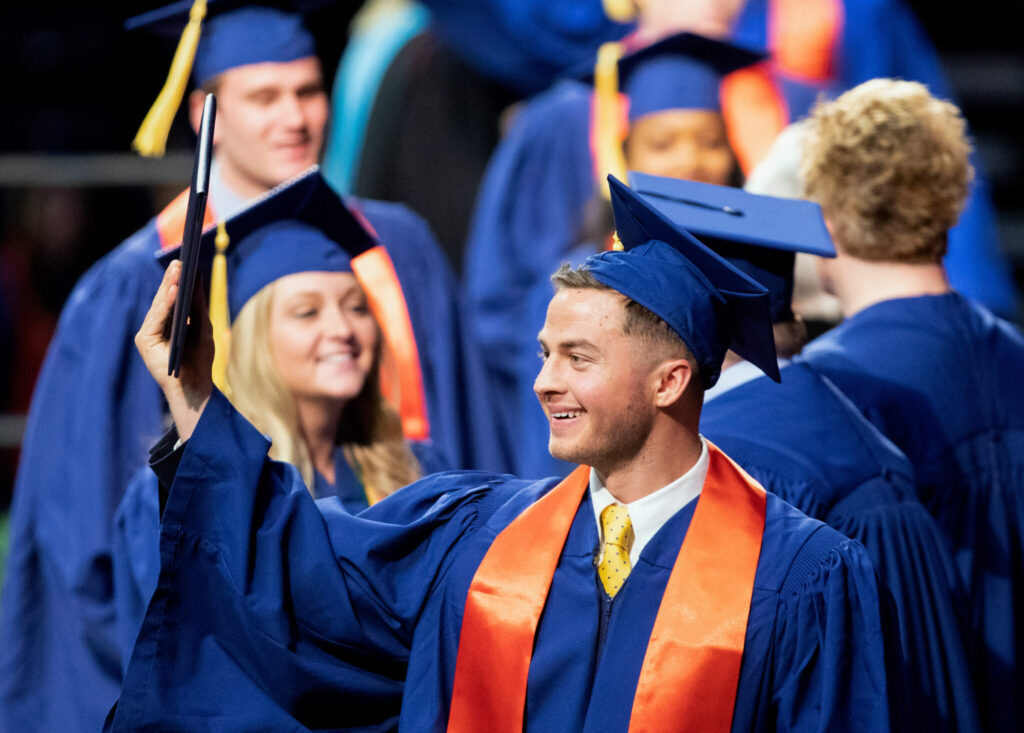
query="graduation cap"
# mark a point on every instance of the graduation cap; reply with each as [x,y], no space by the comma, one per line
[712,305]
[300,226]
[683,71]
[758,234]
[218,35]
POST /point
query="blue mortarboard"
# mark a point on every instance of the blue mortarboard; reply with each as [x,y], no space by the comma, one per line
[760,235]
[236,33]
[300,226]
[711,305]
[218,35]
[683,71]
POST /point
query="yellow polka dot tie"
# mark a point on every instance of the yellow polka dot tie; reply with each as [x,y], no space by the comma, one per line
[618,539]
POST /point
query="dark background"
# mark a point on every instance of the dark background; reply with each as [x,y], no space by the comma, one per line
[75,84]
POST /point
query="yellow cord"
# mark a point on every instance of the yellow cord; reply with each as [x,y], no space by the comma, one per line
[219,317]
[609,117]
[621,11]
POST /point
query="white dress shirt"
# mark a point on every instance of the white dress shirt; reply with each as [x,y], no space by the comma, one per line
[739,373]
[225,202]
[648,514]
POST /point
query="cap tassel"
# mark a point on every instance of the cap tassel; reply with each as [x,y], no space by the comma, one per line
[621,11]
[151,139]
[609,117]
[219,317]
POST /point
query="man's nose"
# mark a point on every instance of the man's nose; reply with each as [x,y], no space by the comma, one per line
[547,381]
[292,113]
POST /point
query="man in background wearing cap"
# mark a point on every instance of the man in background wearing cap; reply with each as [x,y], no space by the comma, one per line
[95,410]
[708,604]
[938,374]
[808,444]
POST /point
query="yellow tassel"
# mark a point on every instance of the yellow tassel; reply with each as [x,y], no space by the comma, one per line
[609,114]
[621,11]
[617,245]
[151,139]
[219,316]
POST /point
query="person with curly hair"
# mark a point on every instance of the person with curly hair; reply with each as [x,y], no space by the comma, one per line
[937,373]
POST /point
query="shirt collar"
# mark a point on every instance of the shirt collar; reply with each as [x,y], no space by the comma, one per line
[652,511]
[739,373]
[226,203]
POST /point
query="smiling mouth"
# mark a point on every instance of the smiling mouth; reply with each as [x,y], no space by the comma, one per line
[337,358]
[566,415]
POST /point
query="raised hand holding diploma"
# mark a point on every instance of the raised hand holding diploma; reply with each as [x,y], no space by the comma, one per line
[187,393]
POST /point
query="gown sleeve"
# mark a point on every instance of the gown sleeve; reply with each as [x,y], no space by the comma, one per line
[275,612]
[837,650]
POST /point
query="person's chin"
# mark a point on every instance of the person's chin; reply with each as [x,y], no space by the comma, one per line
[298,157]
[565,450]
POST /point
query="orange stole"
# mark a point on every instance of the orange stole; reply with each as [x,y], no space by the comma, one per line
[170,223]
[803,35]
[755,113]
[691,667]
[376,273]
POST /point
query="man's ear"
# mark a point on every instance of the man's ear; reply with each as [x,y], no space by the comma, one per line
[673,377]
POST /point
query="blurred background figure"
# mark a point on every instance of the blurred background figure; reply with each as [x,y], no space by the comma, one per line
[937,373]
[425,87]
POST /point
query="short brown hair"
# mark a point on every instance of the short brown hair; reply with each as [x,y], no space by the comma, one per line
[658,337]
[889,164]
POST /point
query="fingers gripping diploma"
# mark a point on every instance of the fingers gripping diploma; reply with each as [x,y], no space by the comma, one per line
[188,393]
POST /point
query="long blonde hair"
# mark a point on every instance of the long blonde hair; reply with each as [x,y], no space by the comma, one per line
[369,432]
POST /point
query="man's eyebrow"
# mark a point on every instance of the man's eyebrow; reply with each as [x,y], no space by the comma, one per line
[263,89]
[576,344]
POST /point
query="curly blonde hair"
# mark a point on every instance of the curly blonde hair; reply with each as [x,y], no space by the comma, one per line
[889,164]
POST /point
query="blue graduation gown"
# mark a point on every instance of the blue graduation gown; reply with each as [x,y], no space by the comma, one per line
[94,413]
[136,536]
[94,410]
[807,443]
[306,616]
[940,377]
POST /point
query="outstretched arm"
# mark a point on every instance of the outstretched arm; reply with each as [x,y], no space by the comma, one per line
[187,394]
